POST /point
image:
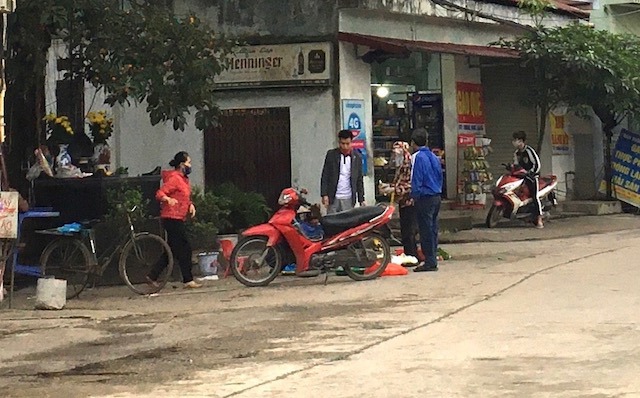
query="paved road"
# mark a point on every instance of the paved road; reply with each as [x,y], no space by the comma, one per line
[546,318]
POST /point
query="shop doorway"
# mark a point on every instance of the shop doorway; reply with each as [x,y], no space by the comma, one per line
[250,148]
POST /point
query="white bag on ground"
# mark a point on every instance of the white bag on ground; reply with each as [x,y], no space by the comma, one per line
[51,294]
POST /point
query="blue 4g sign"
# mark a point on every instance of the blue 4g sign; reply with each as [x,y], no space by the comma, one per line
[353,119]
[354,122]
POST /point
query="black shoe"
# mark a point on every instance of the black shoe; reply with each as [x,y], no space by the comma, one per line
[425,268]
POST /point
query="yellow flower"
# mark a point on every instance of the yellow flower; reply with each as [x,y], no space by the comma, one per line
[58,120]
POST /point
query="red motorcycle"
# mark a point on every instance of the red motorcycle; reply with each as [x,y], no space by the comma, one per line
[512,199]
[351,240]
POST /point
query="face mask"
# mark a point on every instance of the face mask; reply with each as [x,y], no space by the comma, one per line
[186,170]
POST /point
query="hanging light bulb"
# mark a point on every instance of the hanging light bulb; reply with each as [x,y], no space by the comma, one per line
[382,92]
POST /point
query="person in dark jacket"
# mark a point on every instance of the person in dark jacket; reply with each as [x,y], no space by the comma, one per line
[527,158]
[175,204]
[342,180]
[426,189]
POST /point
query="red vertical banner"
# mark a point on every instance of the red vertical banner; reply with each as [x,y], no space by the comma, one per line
[470,103]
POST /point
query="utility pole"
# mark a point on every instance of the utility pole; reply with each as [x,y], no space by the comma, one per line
[6,7]
[6,245]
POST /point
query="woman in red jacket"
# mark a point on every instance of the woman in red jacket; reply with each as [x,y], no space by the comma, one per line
[175,203]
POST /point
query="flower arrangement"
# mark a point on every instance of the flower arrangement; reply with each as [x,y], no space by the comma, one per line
[59,128]
[100,126]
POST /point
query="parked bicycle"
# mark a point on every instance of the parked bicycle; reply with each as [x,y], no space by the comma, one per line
[73,257]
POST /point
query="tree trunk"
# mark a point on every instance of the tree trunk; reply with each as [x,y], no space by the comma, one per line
[608,169]
[609,122]
[542,126]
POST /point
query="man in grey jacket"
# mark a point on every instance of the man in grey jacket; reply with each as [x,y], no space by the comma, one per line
[342,180]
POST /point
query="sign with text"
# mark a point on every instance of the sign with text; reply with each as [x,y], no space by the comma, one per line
[9,215]
[466,140]
[353,117]
[626,168]
[559,137]
[470,103]
[282,65]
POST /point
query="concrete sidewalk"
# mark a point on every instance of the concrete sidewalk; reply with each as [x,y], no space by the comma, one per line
[514,231]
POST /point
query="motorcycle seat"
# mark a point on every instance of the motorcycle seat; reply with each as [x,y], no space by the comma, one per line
[338,222]
[546,180]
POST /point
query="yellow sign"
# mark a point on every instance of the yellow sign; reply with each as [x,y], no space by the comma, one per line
[559,137]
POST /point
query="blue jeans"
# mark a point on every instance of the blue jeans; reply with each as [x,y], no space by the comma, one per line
[427,209]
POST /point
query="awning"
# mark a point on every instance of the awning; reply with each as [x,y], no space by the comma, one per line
[400,46]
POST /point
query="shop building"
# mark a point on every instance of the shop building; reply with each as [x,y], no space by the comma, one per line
[397,64]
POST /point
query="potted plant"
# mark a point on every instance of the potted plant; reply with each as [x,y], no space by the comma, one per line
[245,208]
[211,217]
[60,134]
[101,129]
[122,171]
[202,230]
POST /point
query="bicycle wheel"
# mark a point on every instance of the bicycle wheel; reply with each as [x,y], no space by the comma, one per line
[379,244]
[139,257]
[68,259]
[254,263]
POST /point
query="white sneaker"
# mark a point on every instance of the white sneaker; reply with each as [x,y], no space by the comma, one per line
[411,260]
[404,259]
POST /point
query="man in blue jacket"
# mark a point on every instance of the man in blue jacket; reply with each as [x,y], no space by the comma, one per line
[426,189]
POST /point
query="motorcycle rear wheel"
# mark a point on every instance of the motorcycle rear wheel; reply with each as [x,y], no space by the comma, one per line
[494,216]
[246,261]
[374,241]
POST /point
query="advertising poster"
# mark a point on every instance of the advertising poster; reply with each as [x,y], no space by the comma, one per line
[559,137]
[470,105]
[9,215]
[353,118]
[626,168]
[282,65]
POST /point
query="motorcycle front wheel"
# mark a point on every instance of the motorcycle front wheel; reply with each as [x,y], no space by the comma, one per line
[494,216]
[254,263]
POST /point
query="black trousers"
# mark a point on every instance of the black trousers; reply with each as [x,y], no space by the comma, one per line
[532,184]
[180,246]
[408,230]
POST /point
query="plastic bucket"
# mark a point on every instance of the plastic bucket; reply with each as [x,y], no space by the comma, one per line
[208,263]
[227,243]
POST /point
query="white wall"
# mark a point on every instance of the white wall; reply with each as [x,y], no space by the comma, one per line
[355,83]
[313,131]
[450,107]
[141,147]
[424,8]
[562,164]
[464,73]
[56,50]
